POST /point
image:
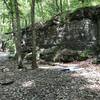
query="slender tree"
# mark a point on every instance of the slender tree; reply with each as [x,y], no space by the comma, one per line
[68,11]
[68,4]
[34,64]
[13,23]
[14,13]
[61,6]
[18,34]
[97,40]
[57,5]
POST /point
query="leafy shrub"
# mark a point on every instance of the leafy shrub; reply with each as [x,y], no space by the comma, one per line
[84,55]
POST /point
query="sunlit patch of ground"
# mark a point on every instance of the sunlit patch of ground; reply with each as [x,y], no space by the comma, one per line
[29,83]
[85,69]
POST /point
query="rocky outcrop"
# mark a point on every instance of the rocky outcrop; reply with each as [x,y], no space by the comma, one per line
[78,34]
[92,12]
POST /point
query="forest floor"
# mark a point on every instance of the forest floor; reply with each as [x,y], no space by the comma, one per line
[71,81]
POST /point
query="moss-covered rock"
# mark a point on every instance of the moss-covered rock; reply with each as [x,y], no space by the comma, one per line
[66,55]
[48,54]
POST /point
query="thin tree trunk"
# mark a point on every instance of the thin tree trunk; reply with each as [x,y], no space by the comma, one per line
[18,35]
[61,6]
[14,29]
[98,40]
[68,11]
[14,11]
[34,64]
[57,5]
[68,4]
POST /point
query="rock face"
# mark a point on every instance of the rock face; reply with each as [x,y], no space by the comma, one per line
[56,38]
[87,12]
[79,34]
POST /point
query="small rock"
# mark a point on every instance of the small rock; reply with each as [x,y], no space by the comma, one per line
[5,70]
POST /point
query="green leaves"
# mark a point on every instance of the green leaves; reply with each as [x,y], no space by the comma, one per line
[44,9]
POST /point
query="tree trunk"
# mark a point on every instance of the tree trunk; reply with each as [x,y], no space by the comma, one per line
[61,6]
[68,4]
[57,5]
[34,64]
[67,20]
[98,40]
[18,35]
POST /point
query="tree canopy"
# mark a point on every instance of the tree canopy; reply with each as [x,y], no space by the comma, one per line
[44,10]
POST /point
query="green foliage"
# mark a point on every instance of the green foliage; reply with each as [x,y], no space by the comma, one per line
[45,9]
[85,54]
[11,46]
[9,43]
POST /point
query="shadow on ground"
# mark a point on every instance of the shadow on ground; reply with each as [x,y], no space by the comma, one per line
[47,84]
